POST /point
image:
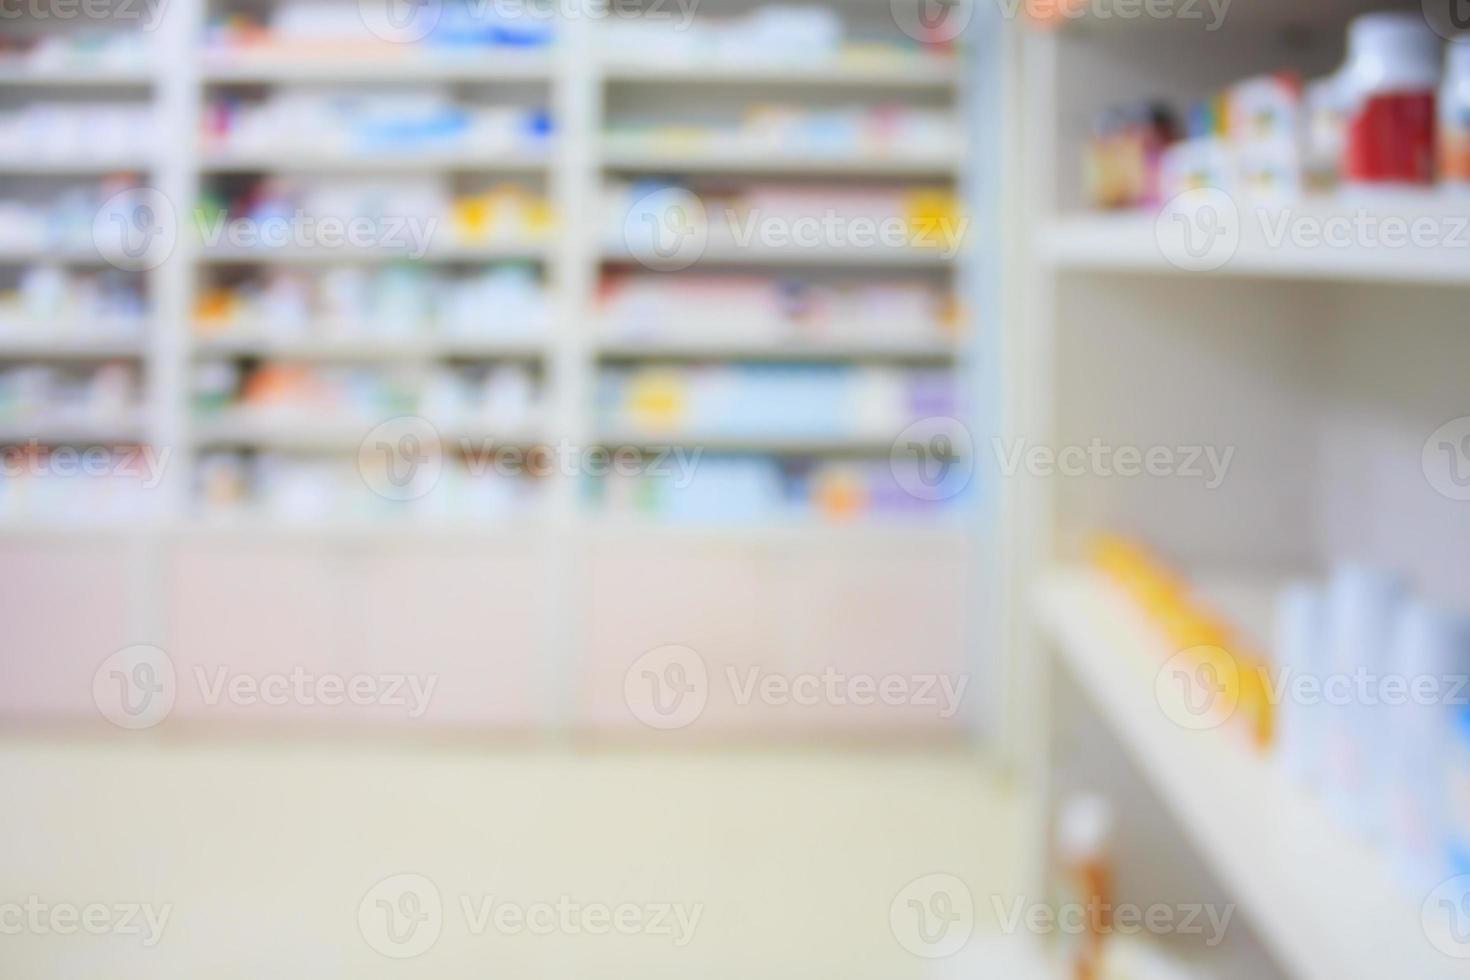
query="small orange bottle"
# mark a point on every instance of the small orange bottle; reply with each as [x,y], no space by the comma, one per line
[1085,872]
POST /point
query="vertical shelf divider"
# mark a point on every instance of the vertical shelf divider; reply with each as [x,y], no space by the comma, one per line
[576,99]
[175,102]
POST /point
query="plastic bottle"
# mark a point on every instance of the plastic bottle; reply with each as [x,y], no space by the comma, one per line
[1325,132]
[1431,648]
[1389,85]
[1454,117]
[1300,652]
[1456,790]
[1084,843]
[1362,604]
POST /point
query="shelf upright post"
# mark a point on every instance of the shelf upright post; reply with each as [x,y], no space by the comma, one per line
[572,270]
[176,107]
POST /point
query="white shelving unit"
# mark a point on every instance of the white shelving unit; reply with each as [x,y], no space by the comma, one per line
[1323,369]
[1329,905]
[555,546]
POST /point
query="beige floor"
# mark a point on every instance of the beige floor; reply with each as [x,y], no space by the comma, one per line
[266,851]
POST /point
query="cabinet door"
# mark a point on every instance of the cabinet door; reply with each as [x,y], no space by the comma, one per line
[780,639]
[243,613]
[883,632]
[463,623]
[651,597]
[365,633]
[65,608]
